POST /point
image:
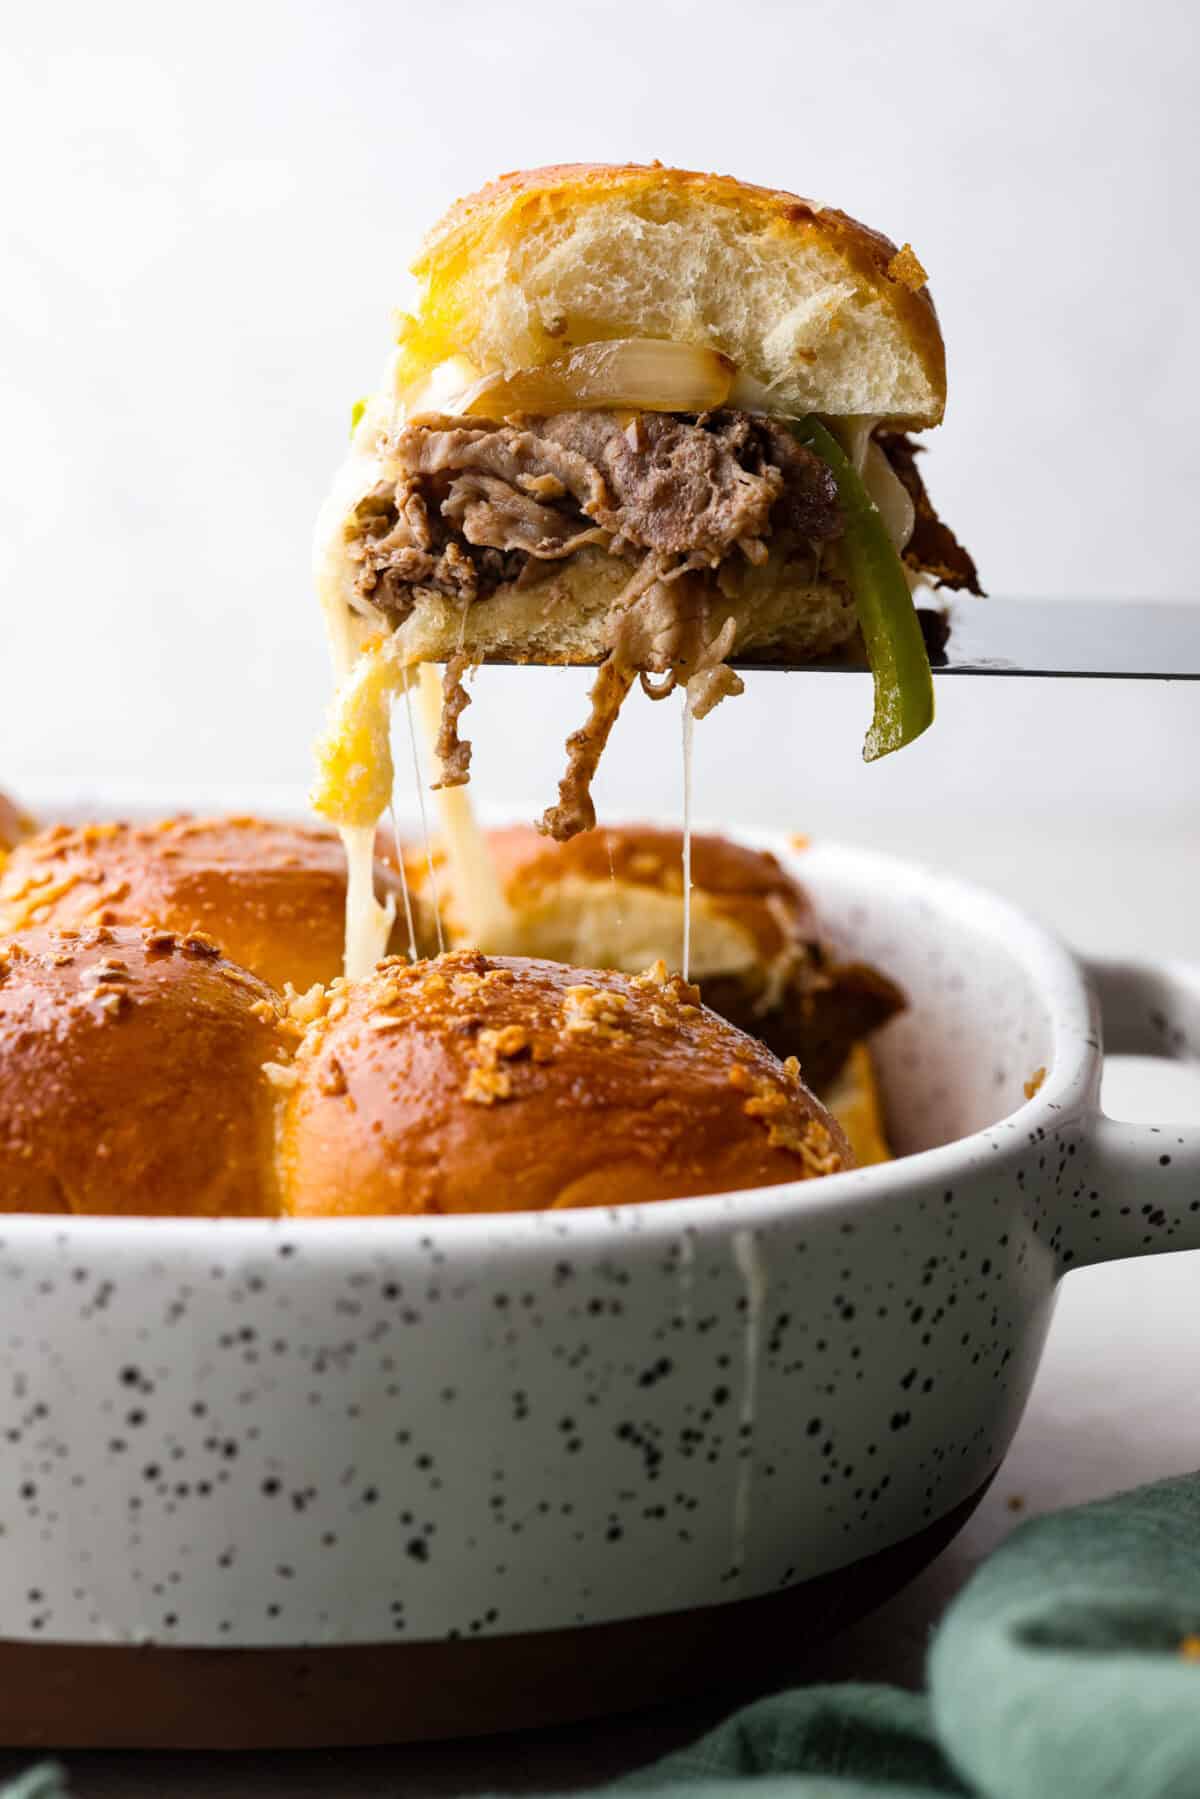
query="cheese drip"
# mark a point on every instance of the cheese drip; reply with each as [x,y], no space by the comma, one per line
[354,762]
[419,786]
[856,434]
[368,924]
[353,789]
[409,923]
[355,771]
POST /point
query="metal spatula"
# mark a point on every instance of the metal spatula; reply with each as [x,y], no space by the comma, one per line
[1145,640]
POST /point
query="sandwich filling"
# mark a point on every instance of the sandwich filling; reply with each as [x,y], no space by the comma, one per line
[469,505]
[475,504]
[677,515]
[642,419]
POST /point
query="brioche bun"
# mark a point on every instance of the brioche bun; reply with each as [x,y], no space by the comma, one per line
[613,898]
[565,618]
[461,529]
[475,1084]
[272,895]
[825,313]
[131,1076]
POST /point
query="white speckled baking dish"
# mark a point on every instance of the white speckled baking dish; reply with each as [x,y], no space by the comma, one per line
[385,1477]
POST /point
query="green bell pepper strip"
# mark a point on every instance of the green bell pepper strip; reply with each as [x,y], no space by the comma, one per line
[356,412]
[886,614]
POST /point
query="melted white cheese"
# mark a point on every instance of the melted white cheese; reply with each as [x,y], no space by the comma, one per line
[855,433]
[353,789]
[354,763]
[409,923]
[426,840]
[892,499]
[441,390]
[688,723]
[355,773]
[368,924]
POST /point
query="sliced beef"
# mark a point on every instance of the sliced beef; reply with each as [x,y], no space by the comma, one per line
[493,515]
[697,487]
[826,1008]
[401,545]
[474,504]
[808,503]
[452,751]
[575,811]
[527,459]
[933,547]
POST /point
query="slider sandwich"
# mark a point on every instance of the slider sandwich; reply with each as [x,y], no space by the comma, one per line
[272,894]
[642,419]
[150,1066]
[134,1075]
[142,1072]
[757,952]
[492,1084]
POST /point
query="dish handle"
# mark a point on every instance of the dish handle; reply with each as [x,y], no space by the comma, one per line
[1137,1191]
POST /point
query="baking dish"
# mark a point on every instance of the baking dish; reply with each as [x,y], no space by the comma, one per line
[383,1478]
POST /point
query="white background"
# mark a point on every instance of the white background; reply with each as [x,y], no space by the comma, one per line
[209,213]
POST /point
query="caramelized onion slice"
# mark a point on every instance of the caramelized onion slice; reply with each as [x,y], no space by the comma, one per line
[645,374]
[890,495]
[749,395]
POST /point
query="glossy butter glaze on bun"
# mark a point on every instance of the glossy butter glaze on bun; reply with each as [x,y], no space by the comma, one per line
[132,1076]
[477,1084]
[272,895]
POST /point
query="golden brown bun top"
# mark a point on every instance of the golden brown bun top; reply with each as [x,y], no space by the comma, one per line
[564,254]
[476,1084]
[273,895]
[749,887]
[503,205]
[131,1076]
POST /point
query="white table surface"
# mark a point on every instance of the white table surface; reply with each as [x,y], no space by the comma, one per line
[1114,1402]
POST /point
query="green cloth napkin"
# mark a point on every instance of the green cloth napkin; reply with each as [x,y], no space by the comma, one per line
[1066,1665]
[846,1741]
[1068,1668]
[45,1781]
